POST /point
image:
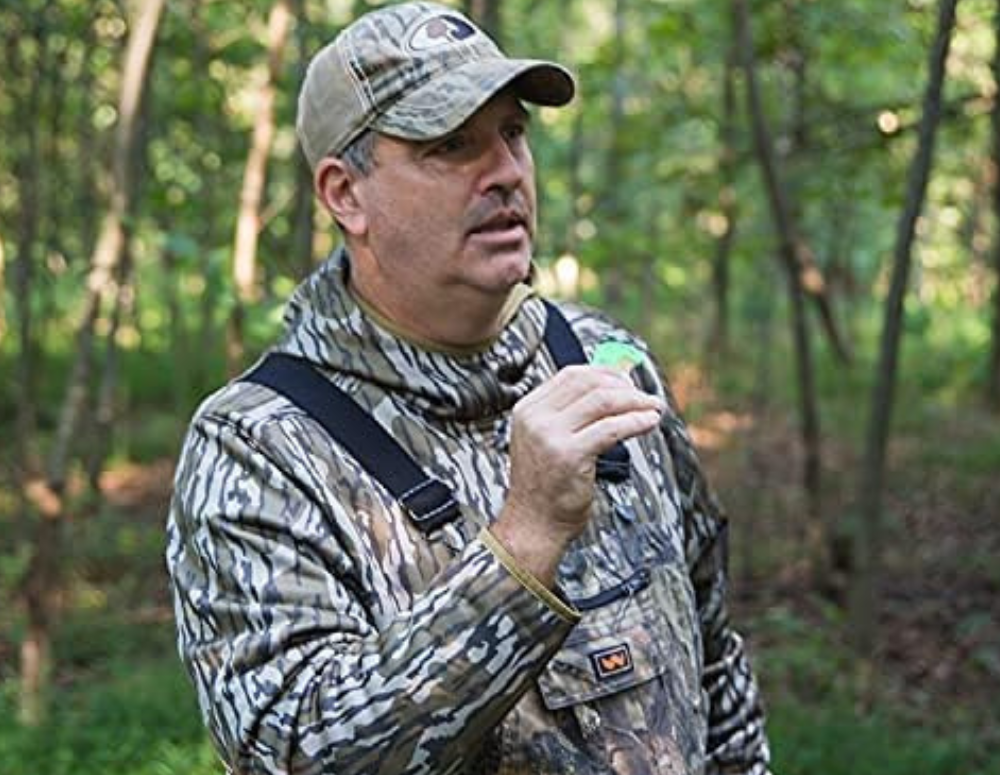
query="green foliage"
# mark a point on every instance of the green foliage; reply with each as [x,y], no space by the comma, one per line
[120,702]
[817,721]
[137,718]
[830,737]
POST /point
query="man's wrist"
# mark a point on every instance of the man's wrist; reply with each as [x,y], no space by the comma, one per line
[546,594]
[535,549]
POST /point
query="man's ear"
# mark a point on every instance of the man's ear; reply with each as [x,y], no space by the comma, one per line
[335,188]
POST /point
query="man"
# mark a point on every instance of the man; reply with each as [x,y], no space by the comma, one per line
[559,611]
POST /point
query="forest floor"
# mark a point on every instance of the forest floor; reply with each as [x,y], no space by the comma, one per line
[932,709]
[936,663]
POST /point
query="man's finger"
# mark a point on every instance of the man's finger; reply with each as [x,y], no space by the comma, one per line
[604,402]
[572,382]
[604,434]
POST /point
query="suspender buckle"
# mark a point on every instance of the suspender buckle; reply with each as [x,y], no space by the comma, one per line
[430,504]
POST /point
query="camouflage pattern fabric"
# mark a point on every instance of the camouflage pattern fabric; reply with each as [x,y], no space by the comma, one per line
[325,634]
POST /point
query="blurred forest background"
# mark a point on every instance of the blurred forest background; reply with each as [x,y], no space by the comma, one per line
[796,202]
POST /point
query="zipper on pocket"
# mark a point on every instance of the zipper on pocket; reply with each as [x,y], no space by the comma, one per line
[634,584]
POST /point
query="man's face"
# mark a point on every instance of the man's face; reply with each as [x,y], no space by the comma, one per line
[453,218]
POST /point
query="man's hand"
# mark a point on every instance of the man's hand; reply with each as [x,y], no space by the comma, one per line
[558,431]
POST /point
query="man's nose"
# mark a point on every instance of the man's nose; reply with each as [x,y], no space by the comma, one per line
[506,166]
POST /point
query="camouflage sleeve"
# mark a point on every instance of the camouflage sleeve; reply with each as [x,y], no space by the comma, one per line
[737,740]
[295,670]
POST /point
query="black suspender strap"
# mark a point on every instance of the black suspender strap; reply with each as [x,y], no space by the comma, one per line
[613,464]
[559,338]
[430,502]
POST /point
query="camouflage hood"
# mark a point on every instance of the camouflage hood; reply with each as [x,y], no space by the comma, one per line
[326,326]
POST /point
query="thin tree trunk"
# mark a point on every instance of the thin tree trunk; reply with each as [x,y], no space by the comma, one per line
[303,213]
[993,370]
[88,202]
[122,305]
[3,291]
[648,282]
[868,544]
[104,407]
[761,495]
[798,64]
[111,243]
[26,172]
[793,248]
[248,222]
[486,13]
[973,232]
[34,653]
[209,328]
[43,572]
[789,250]
[719,338]
[574,161]
[303,202]
[813,282]
[52,107]
[181,366]
[611,203]
[820,532]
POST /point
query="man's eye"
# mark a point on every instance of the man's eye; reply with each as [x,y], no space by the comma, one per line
[451,144]
[514,131]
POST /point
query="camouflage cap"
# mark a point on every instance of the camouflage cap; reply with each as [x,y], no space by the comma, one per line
[415,71]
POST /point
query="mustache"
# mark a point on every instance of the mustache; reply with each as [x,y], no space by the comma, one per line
[486,212]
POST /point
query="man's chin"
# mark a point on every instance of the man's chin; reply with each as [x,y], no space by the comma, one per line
[514,268]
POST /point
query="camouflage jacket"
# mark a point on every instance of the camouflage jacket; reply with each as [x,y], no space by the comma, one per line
[324,633]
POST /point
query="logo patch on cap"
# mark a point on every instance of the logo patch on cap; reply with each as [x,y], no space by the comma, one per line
[612,662]
[440,31]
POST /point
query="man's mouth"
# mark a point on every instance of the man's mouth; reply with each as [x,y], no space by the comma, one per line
[502,224]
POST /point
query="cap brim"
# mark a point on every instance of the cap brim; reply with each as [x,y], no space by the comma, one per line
[444,103]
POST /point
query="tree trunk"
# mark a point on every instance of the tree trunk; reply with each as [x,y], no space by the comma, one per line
[88,202]
[993,370]
[648,285]
[789,251]
[254,180]
[303,202]
[50,130]
[3,291]
[718,343]
[574,161]
[486,13]
[26,172]
[122,305]
[759,462]
[973,232]
[798,64]
[793,248]
[868,543]
[303,214]
[100,426]
[49,496]
[182,365]
[34,655]
[611,207]
[209,328]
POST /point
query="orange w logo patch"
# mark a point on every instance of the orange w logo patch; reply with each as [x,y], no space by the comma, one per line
[611,662]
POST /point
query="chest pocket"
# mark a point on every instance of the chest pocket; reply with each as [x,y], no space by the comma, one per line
[630,671]
[629,634]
